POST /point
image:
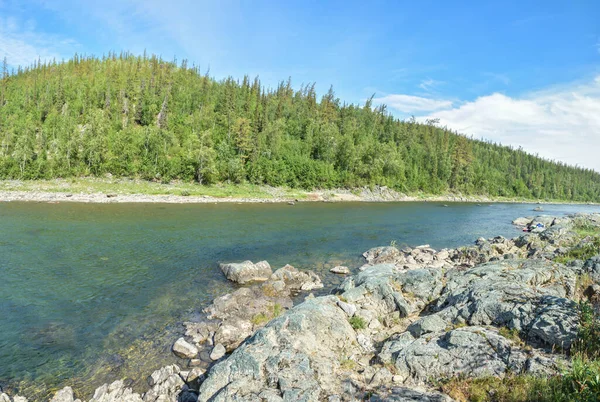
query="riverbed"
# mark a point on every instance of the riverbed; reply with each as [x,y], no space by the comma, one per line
[90,293]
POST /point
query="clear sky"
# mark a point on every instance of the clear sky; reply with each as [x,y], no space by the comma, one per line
[525,73]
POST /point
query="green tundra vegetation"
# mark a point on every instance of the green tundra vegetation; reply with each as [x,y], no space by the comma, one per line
[142,117]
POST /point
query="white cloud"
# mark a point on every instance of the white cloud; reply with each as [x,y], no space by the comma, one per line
[429,84]
[21,44]
[413,104]
[561,124]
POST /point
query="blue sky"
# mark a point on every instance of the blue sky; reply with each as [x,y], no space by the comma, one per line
[520,72]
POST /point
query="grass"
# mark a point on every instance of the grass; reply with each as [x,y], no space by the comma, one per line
[357,322]
[89,185]
[263,318]
[511,334]
[581,382]
[581,252]
[348,364]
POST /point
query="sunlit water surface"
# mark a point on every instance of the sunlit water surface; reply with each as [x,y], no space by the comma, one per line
[90,293]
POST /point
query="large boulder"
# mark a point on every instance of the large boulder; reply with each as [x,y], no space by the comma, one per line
[592,268]
[469,351]
[530,296]
[247,271]
[294,357]
[404,394]
[381,289]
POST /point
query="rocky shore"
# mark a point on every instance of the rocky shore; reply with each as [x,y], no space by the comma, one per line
[108,191]
[394,329]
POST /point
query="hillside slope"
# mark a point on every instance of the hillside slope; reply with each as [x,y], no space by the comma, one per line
[146,118]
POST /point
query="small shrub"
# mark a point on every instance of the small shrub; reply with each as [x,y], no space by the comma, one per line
[587,344]
[277,310]
[581,252]
[357,322]
[260,318]
[347,364]
[185,193]
[511,334]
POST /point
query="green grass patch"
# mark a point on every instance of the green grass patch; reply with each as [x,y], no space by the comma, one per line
[261,318]
[581,252]
[357,322]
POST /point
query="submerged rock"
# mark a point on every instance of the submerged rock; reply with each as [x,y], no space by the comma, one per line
[340,270]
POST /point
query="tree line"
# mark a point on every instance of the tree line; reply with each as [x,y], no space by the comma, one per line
[141,116]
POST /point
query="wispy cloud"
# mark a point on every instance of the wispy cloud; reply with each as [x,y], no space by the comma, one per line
[413,104]
[430,85]
[561,123]
[21,44]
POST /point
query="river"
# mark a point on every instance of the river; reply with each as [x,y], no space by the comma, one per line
[90,293]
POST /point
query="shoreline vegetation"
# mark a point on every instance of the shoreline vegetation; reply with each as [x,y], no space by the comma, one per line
[121,190]
[499,320]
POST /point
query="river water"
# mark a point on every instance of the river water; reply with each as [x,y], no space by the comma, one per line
[90,293]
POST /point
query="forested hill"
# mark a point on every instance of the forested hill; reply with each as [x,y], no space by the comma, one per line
[144,117]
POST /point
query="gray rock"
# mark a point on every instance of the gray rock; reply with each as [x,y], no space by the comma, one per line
[184,349]
[522,221]
[470,351]
[166,385]
[64,395]
[115,392]
[4,397]
[381,255]
[297,353]
[218,352]
[402,394]
[246,271]
[340,270]
[427,324]
[297,280]
[349,309]
[555,323]
[592,267]
[513,294]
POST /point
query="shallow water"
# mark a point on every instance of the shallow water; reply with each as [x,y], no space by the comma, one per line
[92,292]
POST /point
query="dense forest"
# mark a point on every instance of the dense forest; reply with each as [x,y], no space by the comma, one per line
[140,116]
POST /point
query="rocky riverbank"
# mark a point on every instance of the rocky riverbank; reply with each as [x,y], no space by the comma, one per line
[402,324]
[118,190]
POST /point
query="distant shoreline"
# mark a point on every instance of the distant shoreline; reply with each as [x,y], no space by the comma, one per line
[109,191]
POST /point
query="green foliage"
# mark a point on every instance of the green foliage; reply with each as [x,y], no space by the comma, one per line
[261,318]
[142,117]
[587,344]
[357,322]
[583,251]
[511,334]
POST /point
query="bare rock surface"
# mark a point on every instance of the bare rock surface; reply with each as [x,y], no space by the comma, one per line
[247,271]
